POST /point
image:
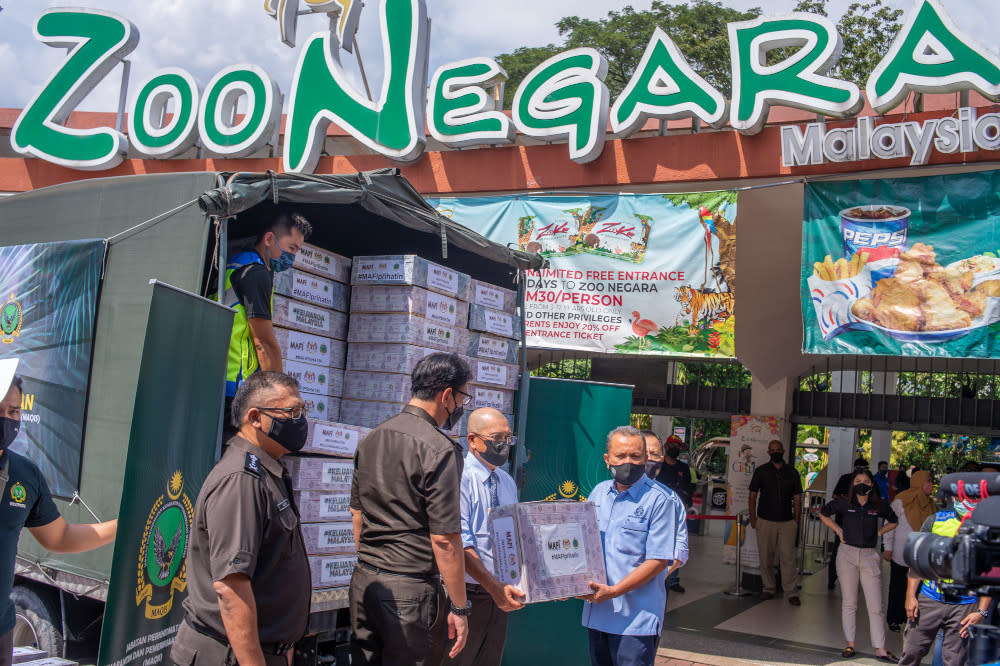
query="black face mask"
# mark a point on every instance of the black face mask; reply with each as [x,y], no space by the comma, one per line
[777,457]
[627,473]
[496,453]
[862,489]
[8,431]
[673,452]
[290,433]
[454,417]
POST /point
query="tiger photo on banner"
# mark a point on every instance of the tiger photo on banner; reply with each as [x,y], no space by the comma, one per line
[627,273]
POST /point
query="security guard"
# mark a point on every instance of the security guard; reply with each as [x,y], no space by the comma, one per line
[249,290]
[249,583]
[25,502]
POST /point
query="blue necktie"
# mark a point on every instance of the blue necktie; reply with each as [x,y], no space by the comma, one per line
[491,485]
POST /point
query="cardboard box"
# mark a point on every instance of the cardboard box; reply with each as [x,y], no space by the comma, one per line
[50,661]
[492,396]
[331,570]
[321,506]
[324,263]
[380,386]
[309,318]
[385,357]
[405,298]
[488,320]
[309,348]
[410,269]
[312,289]
[490,373]
[333,439]
[492,296]
[550,550]
[319,473]
[328,538]
[23,654]
[316,379]
[402,328]
[321,407]
[368,413]
[489,347]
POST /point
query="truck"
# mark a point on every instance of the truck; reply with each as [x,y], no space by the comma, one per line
[178,229]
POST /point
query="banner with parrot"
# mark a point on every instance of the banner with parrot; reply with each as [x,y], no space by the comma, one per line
[628,273]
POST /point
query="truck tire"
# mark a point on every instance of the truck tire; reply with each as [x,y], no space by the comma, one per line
[38,624]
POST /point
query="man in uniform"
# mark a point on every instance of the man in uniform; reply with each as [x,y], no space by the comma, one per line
[248,576]
[644,531]
[26,502]
[484,486]
[249,290]
[654,453]
[407,525]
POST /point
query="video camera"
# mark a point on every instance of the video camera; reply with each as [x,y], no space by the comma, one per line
[970,561]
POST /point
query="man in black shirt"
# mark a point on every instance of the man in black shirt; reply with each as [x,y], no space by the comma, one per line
[406,509]
[27,503]
[776,520]
[675,475]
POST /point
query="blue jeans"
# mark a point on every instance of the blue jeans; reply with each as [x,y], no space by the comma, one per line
[615,650]
[674,578]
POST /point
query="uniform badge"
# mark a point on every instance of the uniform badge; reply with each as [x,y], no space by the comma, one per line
[252,464]
[18,493]
[10,320]
[163,551]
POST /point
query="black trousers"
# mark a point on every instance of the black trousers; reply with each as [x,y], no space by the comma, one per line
[6,648]
[831,569]
[895,611]
[191,648]
[396,619]
[487,632]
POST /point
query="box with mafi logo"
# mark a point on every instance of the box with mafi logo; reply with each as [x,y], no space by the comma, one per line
[308,318]
[381,386]
[485,346]
[385,357]
[312,289]
[320,506]
[409,299]
[492,296]
[322,262]
[368,413]
[333,439]
[410,269]
[322,407]
[319,473]
[316,378]
[402,328]
[328,538]
[550,550]
[309,348]
[331,570]
[490,373]
[491,396]
[488,320]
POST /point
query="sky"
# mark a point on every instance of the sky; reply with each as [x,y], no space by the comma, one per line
[204,37]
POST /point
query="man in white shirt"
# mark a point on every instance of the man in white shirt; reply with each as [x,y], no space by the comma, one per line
[484,486]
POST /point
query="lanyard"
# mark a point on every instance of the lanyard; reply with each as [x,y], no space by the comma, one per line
[4,474]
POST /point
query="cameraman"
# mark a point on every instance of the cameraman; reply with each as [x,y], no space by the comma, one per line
[930,607]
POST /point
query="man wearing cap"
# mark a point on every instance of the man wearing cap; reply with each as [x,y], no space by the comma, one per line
[676,475]
[26,502]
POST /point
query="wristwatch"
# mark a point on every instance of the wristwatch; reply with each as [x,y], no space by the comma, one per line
[461,611]
[984,613]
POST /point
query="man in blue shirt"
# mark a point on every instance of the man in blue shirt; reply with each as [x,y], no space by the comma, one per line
[25,502]
[484,486]
[882,480]
[644,532]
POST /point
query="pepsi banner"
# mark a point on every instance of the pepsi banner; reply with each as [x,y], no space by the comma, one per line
[48,307]
[628,273]
[902,267]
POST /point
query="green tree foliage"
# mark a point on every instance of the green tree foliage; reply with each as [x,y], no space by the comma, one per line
[699,28]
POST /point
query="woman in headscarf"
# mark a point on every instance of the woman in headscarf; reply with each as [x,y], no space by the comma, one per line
[913,506]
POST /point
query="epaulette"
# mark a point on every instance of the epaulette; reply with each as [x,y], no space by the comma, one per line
[252,464]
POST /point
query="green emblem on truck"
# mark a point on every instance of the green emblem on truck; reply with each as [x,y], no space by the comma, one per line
[162,562]
[10,320]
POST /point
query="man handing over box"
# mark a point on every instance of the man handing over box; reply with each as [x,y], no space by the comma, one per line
[642,524]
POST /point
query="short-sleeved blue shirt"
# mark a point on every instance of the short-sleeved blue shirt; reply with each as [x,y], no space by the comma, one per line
[25,502]
[646,521]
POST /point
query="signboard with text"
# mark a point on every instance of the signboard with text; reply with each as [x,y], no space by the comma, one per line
[748,439]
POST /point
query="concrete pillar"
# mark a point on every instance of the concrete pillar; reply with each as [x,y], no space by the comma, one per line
[843,441]
[885,384]
[663,426]
[774,400]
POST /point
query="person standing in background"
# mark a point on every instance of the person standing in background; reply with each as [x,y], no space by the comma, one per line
[654,453]
[776,520]
[882,480]
[676,475]
[912,506]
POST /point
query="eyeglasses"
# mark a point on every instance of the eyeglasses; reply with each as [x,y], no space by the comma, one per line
[504,439]
[293,412]
[467,400]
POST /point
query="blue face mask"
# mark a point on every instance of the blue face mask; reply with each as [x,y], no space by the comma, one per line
[283,263]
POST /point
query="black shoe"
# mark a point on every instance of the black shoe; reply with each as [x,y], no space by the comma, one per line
[677,587]
[894,627]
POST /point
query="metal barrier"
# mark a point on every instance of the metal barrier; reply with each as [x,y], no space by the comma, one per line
[742,519]
[813,533]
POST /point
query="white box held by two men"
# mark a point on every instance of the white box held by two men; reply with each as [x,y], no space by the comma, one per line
[550,550]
